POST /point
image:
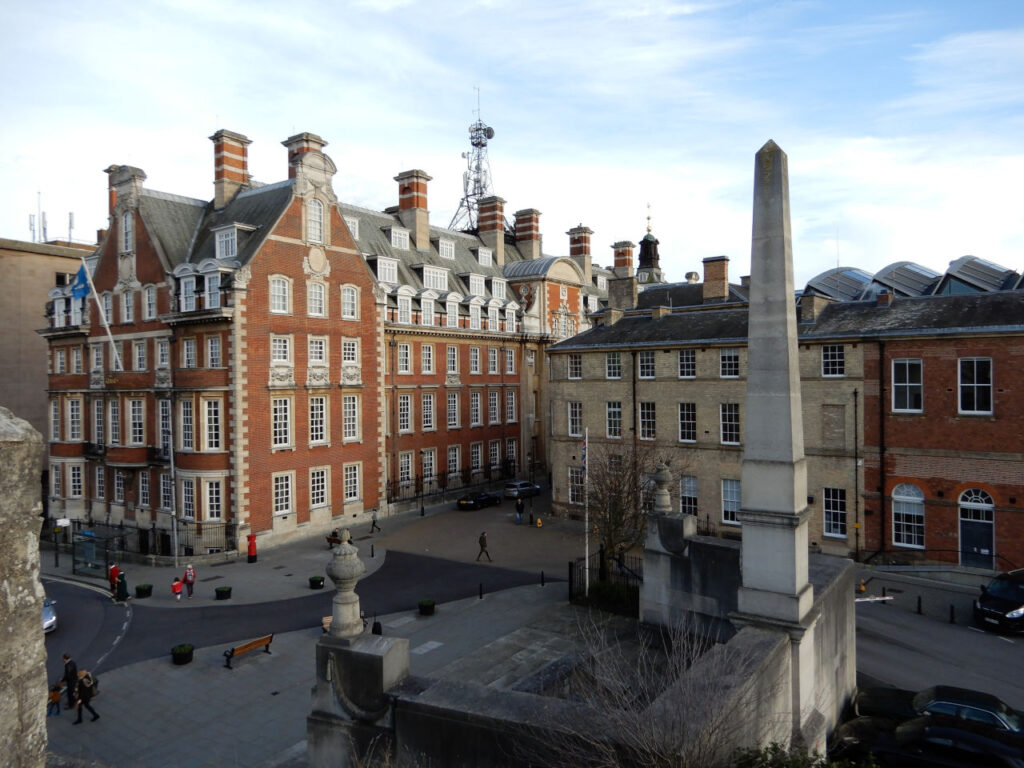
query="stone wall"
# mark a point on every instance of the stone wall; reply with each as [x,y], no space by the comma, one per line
[22,652]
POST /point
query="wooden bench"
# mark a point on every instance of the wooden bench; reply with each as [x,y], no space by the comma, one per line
[260,642]
[333,541]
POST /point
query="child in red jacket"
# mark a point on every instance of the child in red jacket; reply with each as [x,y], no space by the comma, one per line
[176,588]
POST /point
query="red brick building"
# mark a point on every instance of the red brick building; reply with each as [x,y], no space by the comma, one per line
[279,363]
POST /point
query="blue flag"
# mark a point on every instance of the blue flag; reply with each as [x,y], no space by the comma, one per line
[80,288]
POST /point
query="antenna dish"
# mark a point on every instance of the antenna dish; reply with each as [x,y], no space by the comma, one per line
[489,132]
[476,179]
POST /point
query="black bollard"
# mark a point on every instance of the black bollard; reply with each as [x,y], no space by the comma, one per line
[542,578]
[531,519]
[918,605]
[481,590]
[884,602]
[377,629]
[371,550]
[952,614]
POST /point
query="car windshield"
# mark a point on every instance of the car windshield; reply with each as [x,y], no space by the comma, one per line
[1007,590]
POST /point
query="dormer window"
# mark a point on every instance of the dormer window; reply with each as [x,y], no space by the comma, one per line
[315,221]
[188,294]
[353,226]
[213,291]
[498,288]
[127,231]
[446,249]
[387,270]
[435,278]
[404,309]
[227,243]
[400,239]
[476,285]
[602,283]
[485,256]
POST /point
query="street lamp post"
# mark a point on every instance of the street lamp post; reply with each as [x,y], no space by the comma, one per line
[423,482]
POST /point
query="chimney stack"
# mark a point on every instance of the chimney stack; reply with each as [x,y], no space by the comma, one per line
[579,250]
[491,226]
[884,299]
[528,232]
[412,206]
[622,293]
[623,258]
[716,279]
[230,165]
[307,163]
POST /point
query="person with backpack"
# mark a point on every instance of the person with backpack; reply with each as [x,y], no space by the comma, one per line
[84,691]
[190,579]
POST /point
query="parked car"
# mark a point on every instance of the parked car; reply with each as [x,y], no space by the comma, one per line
[962,703]
[936,740]
[520,489]
[49,614]
[478,500]
[1001,603]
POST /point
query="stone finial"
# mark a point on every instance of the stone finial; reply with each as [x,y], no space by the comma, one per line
[345,570]
[662,499]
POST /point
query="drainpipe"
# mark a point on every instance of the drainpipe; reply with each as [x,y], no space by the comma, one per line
[881,445]
[856,477]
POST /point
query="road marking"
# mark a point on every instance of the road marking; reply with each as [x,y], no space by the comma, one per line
[426,647]
[975,629]
[399,622]
[1006,640]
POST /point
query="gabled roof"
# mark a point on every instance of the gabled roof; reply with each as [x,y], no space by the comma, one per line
[682,295]
[258,208]
[171,221]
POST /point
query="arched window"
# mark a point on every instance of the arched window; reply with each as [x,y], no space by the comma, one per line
[349,306]
[127,231]
[908,516]
[280,298]
[315,221]
[316,306]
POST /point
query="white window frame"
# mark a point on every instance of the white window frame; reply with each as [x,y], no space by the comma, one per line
[404,362]
[688,498]
[74,430]
[189,358]
[908,516]
[613,365]
[349,302]
[404,413]
[387,271]
[149,303]
[485,256]
[833,360]
[475,415]
[426,311]
[280,295]
[319,495]
[511,407]
[281,423]
[350,481]
[510,361]
[139,355]
[453,410]
[188,425]
[136,421]
[282,495]
[212,424]
[452,359]
[446,249]
[903,388]
[214,499]
[127,231]
[613,419]
[965,388]
[314,221]
[645,364]
[474,360]
[575,366]
[400,239]
[350,417]
[728,424]
[128,307]
[426,358]
[435,278]
[227,243]
[280,350]
[187,299]
[577,491]
[729,363]
[317,351]
[405,310]
[316,299]
[731,501]
[427,410]
[214,358]
[833,503]
[493,409]
[476,285]
[648,420]
[353,226]
[317,420]
[574,425]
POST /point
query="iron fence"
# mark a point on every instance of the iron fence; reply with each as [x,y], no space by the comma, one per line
[611,583]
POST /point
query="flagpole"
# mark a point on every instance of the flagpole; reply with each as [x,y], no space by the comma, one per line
[586,515]
[103,317]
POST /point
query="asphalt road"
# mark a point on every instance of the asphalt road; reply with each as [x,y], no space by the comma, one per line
[89,623]
[902,649]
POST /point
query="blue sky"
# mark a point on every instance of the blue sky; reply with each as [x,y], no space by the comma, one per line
[902,120]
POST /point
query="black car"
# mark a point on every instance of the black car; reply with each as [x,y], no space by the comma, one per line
[936,740]
[965,704]
[478,501]
[1001,603]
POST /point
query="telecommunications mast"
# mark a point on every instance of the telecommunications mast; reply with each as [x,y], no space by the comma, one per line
[476,179]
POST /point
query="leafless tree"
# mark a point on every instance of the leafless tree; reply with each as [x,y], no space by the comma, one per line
[618,477]
[655,696]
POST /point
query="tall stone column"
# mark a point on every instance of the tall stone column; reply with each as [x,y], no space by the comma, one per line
[773,506]
[775,591]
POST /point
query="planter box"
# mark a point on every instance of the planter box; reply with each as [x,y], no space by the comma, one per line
[178,658]
[426,607]
[223,593]
[316,582]
[143,590]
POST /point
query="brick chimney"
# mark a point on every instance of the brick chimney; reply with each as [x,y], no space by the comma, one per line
[124,183]
[579,250]
[491,226]
[716,279]
[884,299]
[412,206]
[230,165]
[528,232]
[811,306]
[623,258]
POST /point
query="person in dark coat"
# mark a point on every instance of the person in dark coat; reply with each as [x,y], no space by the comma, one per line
[520,505]
[190,579]
[70,679]
[483,548]
[83,695]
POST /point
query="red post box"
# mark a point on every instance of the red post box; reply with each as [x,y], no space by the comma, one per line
[252,547]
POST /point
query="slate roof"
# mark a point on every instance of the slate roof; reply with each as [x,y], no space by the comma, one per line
[682,295]
[171,221]
[258,207]
[920,315]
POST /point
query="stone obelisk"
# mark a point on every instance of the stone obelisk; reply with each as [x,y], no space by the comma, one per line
[773,506]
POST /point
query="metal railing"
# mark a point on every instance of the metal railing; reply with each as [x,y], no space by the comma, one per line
[614,582]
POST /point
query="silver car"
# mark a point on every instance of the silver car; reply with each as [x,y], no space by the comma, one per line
[49,615]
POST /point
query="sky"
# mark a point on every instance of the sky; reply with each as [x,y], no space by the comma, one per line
[902,121]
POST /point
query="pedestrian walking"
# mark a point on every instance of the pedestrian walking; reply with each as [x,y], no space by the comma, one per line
[53,697]
[112,574]
[70,679]
[190,579]
[176,586]
[373,521]
[483,548]
[83,695]
[520,505]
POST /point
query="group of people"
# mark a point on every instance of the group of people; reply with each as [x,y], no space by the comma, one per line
[188,581]
[80,686]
